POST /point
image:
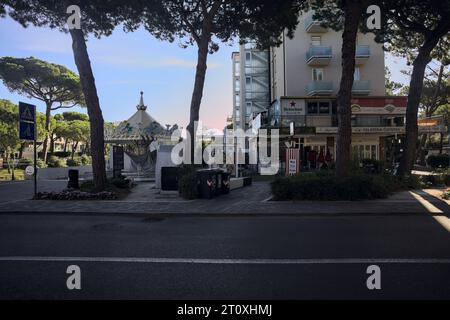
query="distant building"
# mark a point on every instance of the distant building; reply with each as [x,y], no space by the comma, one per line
[251,84]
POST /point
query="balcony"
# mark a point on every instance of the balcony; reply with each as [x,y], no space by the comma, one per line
[312,25]
[361,88]
[362,54]
[319,88]
[319,56]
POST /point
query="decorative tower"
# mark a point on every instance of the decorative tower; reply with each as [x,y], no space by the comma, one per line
[141,105]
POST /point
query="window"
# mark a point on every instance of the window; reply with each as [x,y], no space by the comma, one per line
[248,84]
[237,85]
[318,107]
[324,108]
[356,75]
[237,69]
[237,100]
[368,121]
[316,41]
[248,56]
[317,74]
[365,151]
[248,109]
[312,107]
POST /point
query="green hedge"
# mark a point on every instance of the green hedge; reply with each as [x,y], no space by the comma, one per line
[313,186]
[55,162]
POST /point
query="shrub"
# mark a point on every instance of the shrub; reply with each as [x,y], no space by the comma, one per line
[446,194]
[23,163]
[41,164]
[438,160]
[61,154]
[120,182]
[314,186]
[188,182]
[372,166]
[85,160]
[75,162]
[55,162]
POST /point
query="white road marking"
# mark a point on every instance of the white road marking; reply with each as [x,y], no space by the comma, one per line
[228,261]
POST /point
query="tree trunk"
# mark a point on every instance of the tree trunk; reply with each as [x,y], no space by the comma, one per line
[74,148]
[52,143]
[353,12]
[48,108]
[422,148]
[66,141]
[21,148]
[89,89]
[412,107]
[197,94]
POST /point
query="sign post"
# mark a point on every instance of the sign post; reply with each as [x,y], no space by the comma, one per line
[27,131]
[118,160]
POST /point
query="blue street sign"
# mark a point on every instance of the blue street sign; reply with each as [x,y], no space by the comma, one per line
[27,112]
[27,130]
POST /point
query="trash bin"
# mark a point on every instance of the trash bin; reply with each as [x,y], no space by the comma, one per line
[169,178]
[209,183]
[73,179]
[225,182]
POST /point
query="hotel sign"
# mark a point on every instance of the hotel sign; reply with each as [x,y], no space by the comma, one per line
[391,130]
[387,109]
[293,107]
[363,130]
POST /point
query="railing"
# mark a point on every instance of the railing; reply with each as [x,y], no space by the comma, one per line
[318,52]
[361,85]
[362,51]
[319,86]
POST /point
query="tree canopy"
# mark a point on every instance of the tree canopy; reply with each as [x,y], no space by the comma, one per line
[41,80]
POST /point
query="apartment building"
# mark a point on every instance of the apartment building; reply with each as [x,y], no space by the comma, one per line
[250,84]
[305,74]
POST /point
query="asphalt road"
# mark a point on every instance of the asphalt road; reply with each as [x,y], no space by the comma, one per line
[323,257]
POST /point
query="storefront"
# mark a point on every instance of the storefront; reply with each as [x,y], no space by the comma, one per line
[376,122]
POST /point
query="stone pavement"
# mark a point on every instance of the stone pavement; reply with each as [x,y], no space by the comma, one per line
[252,200]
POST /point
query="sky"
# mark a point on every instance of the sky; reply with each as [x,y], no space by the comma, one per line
[126,63]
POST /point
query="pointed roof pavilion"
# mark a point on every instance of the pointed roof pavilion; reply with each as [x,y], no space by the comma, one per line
[138,125]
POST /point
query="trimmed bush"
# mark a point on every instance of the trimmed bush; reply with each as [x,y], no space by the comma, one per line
[41,164]
[75,162]
[120,182]
[313,186]
[55,162]
[85,160]
[438,160]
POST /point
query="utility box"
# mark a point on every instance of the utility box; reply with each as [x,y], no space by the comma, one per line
[225,185]
[210,183]
[169,178]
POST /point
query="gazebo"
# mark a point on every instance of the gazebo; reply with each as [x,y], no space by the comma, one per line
[140,136]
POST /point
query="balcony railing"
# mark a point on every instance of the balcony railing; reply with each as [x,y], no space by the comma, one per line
[319,88]
[362,54]
[319,56]
[312,25]
[361,87]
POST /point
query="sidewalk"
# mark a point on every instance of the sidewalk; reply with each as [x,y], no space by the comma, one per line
[253,200]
